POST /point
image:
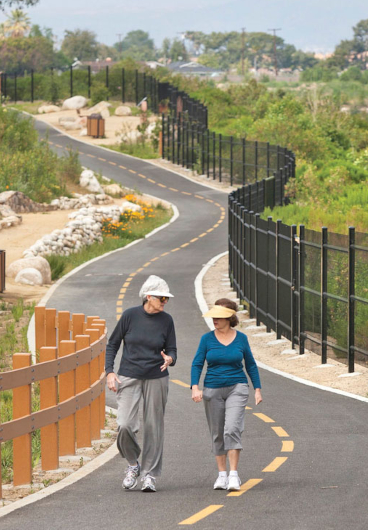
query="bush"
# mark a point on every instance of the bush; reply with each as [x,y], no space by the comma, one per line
[99,92]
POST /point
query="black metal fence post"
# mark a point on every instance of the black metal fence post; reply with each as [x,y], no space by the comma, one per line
[32,86]
[231,160]
[163,135]
[324,251]
[89,81]
[214,155]
[208,152]
[256,219]
[351,301]
[269,236]
[293,306]
[301,287]
[243,161]
[256,159]
[268,159]
[278,230]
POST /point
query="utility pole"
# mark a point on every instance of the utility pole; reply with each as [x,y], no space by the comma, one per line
[274,47]
[242,51]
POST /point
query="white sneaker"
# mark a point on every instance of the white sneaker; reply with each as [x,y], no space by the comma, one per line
[149,483]
[221,483]
[131,475]
[234,483]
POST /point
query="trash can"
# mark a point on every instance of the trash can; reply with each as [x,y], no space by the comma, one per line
[95,126]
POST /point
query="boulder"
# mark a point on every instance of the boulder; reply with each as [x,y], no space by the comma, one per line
[101,108]
[39,263]
[114,189]
[89,181]
[47,109]
[83,132]
[29,277]
[72,125]
[123,110]
[12,220]
[130,206]
[74,103]
[67,118]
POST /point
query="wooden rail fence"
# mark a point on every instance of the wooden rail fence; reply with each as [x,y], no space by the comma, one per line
[69,368]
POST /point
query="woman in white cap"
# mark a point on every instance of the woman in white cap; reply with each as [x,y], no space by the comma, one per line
[149,348]
[226,391]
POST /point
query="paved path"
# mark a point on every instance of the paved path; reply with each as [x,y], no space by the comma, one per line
[304,464]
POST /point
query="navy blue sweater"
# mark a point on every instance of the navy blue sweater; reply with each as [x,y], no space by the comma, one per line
[224,363]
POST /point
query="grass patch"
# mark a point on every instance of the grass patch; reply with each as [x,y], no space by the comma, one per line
[138,150]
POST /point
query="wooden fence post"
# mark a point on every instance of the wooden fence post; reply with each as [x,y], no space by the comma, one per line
[22,449]
[101,325]
[63,326]
[82,382]
[48,398]
[40,329]
[50,332]
[66,391]
[94,335]
[77,324]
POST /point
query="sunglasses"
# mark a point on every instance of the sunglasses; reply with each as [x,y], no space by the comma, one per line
[162,298]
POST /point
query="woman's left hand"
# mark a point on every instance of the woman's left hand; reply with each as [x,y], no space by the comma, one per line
[258,396]
[167,361]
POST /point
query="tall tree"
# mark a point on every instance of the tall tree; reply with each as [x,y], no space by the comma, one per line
[80,44]
[18,24]
[138,45]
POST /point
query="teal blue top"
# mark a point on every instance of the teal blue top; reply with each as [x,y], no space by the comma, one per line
[224,363]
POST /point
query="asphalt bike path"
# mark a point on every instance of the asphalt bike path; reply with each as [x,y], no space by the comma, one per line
[304,460]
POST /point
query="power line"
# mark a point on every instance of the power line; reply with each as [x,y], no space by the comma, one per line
[274,46]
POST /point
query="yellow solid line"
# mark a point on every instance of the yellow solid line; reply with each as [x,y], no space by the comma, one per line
[195,239]
[202,514]
[275,464]
[122,167]
[175,249]
[186,193]
[263,417]
[184,245]
[245,487]
[173,189]
[280,431]
[287,446]
[180,383]
[143,177]
[132,171]
[162,185]
[102,159]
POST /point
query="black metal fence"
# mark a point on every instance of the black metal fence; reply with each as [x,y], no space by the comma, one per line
[186,141]
[310,287]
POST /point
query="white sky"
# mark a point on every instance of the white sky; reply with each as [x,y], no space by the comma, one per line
[316,25]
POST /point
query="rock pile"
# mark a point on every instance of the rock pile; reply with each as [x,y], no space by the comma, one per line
[20,203]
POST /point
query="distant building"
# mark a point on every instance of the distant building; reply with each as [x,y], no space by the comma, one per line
[98,65]
[193,68]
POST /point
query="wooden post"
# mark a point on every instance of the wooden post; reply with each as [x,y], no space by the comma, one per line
[64,326]
[66,391]
[48,398]
[22,449]
[101,326]
[50,327]
[94,335]
[83,382]
[40,329]
[77,324]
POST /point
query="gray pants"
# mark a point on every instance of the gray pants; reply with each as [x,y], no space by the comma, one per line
[225,411]
[154,393]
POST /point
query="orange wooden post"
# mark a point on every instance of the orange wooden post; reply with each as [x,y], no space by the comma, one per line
[1,486]
[77,324]
[64,326]
[22,449]
[66,391]
[48,398]
[95,376]
[101,325]
[40,329]
[50,327]
[83,382]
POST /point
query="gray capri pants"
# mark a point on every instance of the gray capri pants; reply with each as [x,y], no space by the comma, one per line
[225,411]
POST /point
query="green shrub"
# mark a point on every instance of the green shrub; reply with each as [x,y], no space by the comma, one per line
[99,92]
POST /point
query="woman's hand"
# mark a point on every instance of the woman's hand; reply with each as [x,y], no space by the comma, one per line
[167,361]
[258,396]
[111,381]
[196,394]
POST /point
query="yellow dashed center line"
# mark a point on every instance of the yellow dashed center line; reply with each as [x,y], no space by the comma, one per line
[139,270]
[113,163]
[186,193]
[195,239]
[119,303]
[184,245]
[147,264]
[121,296]
[123,290]
[155,259]
[275,464]
[173,189]
[245,487]
[202,235]
[161,185]
[202,514]
[142,176]
[287,446]
[175,249]
[153,181]
[102,159]
[198,197]
[180,383]
[91,156]
[126,284]
[122,167]
[209,200]
[210,229]
[132,171]
[263,417]
[165,254]
[280,431]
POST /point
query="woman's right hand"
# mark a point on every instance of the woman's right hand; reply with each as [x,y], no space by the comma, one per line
[111,381]
[196,394]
